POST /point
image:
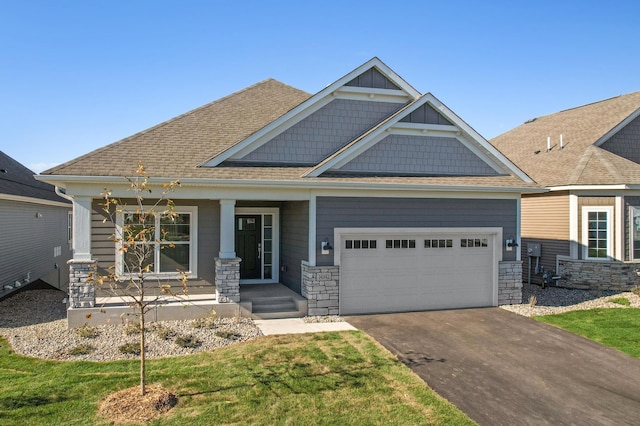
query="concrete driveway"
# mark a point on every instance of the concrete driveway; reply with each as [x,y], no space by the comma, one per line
[504,369]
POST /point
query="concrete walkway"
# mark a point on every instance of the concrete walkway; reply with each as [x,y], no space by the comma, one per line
[504,369]
[297,326]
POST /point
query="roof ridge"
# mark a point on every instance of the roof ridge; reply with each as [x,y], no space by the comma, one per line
[582,164]
[581,106]
[159,125]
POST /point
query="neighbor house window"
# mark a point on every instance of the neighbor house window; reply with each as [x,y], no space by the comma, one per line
[597,237]
[635,233]
[172,247]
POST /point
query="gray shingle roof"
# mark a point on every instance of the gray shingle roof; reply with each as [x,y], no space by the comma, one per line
[16,179]
[580,162]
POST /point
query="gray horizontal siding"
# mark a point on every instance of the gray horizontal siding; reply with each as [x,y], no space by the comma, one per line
[103,248]
[336,212]
[420,155]
[30,232]
[549,249]
[294,242]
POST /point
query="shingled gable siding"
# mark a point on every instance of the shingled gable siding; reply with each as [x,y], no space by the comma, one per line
[420,155]
[294,217]
[323,132]
[103,249]
[626,143]
[351,212]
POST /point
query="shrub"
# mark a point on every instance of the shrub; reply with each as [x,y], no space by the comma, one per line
[132,348]
[162,331]
[83,349]
[131,328]
[206,322]
[188,341]
[620,301]
[636,290]
[86,332]
[229,335]
[533,300]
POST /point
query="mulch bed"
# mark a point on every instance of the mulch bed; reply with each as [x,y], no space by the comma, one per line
[128,406]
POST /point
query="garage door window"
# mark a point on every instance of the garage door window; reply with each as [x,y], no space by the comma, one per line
[360,244]
[438,243]
[400,244]
[474,242]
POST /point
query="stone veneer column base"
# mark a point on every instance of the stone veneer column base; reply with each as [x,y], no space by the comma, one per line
[228,280]
[321,285]
[82,293]
[510,282]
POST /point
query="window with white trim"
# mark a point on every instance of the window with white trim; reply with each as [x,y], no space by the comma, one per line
[635,232]
[597,237]
[171,248]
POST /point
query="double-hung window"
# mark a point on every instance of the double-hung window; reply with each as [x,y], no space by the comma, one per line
[597,235]
[169,244]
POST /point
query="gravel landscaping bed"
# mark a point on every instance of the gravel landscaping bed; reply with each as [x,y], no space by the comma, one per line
[554,300]
[34,322]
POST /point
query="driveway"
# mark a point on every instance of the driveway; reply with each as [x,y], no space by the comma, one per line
[504,369]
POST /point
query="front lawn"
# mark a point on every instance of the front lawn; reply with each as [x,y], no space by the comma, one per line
[617,328]
[336,378]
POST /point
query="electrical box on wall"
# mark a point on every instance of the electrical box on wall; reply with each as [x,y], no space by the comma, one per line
[533,249]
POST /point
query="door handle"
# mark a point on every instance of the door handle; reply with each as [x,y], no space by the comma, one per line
[259,250]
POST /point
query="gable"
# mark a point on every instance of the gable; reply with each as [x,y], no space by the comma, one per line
[419,155]
[323,132]
[626,142]
[425,115]
[373,78]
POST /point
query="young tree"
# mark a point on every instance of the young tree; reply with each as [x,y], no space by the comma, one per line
[139,235]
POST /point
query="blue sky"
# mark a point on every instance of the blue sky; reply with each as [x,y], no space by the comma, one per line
[77,75]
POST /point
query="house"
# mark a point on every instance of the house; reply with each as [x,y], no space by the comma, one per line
[588,224]
[365,197]
[35,224]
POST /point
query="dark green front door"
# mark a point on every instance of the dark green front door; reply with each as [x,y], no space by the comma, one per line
[249,246]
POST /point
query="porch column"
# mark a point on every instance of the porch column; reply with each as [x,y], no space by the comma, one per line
[227,227]
[82,228]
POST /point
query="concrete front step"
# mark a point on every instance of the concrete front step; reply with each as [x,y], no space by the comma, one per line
[275,307]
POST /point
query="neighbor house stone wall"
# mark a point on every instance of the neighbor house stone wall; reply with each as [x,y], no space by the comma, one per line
[82,292]
[227,280]
[321,285]
[510,283]
[598,275]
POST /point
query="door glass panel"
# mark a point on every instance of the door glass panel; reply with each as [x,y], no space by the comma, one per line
[635,227]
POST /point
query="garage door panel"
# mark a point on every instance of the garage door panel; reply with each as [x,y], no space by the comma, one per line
[438,272]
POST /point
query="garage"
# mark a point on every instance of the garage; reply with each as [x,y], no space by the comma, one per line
[419,269]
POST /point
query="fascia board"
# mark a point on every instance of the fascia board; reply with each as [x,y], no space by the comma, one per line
[477,137]
[593,187]
[23,199]
[617,128]
[98,182]
[307,107]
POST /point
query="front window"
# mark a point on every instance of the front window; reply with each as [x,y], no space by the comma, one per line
[163,245]
[635,233]
[596,232]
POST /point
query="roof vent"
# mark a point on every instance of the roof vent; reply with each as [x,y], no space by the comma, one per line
[531,120]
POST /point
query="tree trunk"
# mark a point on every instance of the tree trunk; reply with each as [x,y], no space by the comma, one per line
[142,353]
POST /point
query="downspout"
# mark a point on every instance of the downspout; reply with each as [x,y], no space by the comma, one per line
[62,194]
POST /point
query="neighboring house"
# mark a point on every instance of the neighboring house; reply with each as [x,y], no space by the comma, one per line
[35,224]
[365,197]
[588,224]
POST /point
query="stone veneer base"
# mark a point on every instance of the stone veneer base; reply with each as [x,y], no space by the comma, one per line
[321,286]
[227,280]
[510,282]
[598,275]
[82,293]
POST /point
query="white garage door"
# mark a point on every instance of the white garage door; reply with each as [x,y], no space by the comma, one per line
[409,272]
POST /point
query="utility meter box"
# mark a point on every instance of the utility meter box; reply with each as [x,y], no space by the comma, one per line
[533,249]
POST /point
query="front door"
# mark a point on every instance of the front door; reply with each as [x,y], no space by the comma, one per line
[249,245]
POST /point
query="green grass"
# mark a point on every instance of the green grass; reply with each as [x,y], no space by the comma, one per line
[338,378]
[614,327]
[620,301]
